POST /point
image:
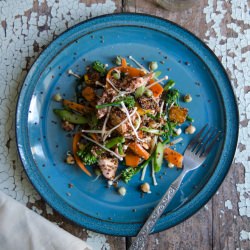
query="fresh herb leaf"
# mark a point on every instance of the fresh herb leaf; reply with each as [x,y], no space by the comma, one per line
[129,101]
[99,67]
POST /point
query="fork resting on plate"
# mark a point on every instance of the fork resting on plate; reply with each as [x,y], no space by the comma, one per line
[194,156]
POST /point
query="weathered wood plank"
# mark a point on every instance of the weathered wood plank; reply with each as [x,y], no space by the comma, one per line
[227,224]
[226,31]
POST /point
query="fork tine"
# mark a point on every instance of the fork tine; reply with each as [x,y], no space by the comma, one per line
[201,141]
[196,138]
[207,150]
[204,141]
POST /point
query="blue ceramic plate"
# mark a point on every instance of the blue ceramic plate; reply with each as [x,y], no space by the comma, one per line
[43,144]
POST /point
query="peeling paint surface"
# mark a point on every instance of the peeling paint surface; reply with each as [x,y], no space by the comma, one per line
[228,204]
[232,46]
[97,241]
[26,27]
[244,235]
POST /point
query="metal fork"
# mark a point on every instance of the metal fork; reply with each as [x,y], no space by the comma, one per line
[195,154]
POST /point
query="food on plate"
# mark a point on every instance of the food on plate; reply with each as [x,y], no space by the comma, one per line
[123,114]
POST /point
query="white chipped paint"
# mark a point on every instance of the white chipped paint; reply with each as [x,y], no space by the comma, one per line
[35,209]
[49,210]
[156,241]
[244,235]
[97,241]
[235,56]
[16,44]
[228,204]
[237,62]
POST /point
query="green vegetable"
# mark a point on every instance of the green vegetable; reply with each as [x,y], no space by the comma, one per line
[169,128]
[170,84]
[189,119]
[128,173]
[93,121]
[139,91]
[152,131]
[172,96]
[153,66]
[118,60]
[66,115]
[86,155]
[157,74]
[116,76]
[148,92]
[120,149]
[153,117]
[114,141]
[158,157]
[99,67]
[129,101]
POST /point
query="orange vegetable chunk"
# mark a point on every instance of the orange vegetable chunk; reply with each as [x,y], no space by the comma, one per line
[131,159]
[139,150]
[173,157]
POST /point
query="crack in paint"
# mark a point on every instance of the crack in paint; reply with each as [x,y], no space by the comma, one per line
[26,28]
[232,46]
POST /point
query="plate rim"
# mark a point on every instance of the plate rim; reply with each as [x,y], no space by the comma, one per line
[109,227]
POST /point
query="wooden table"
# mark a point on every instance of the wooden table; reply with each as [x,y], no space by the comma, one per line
[26,27]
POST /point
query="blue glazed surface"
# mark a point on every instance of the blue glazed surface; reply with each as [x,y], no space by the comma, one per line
[43,144]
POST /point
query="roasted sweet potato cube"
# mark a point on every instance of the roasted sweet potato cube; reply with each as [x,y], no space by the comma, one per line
[177,114]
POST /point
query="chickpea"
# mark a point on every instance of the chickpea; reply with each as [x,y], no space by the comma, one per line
[153,66]
[170,165]
[188,98]
[57,97]
[190,129]
[145,187]
[70,159]
[122,191]
[178,131]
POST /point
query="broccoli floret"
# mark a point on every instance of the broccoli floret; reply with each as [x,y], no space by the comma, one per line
[129,101]
[99,67]
[173,97]
[86,156]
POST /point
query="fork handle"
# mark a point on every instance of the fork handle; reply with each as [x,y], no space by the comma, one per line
[141,239]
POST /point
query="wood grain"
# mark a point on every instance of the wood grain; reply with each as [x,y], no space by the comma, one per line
[214,226]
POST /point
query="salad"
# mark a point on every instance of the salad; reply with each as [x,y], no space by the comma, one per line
[124,114]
